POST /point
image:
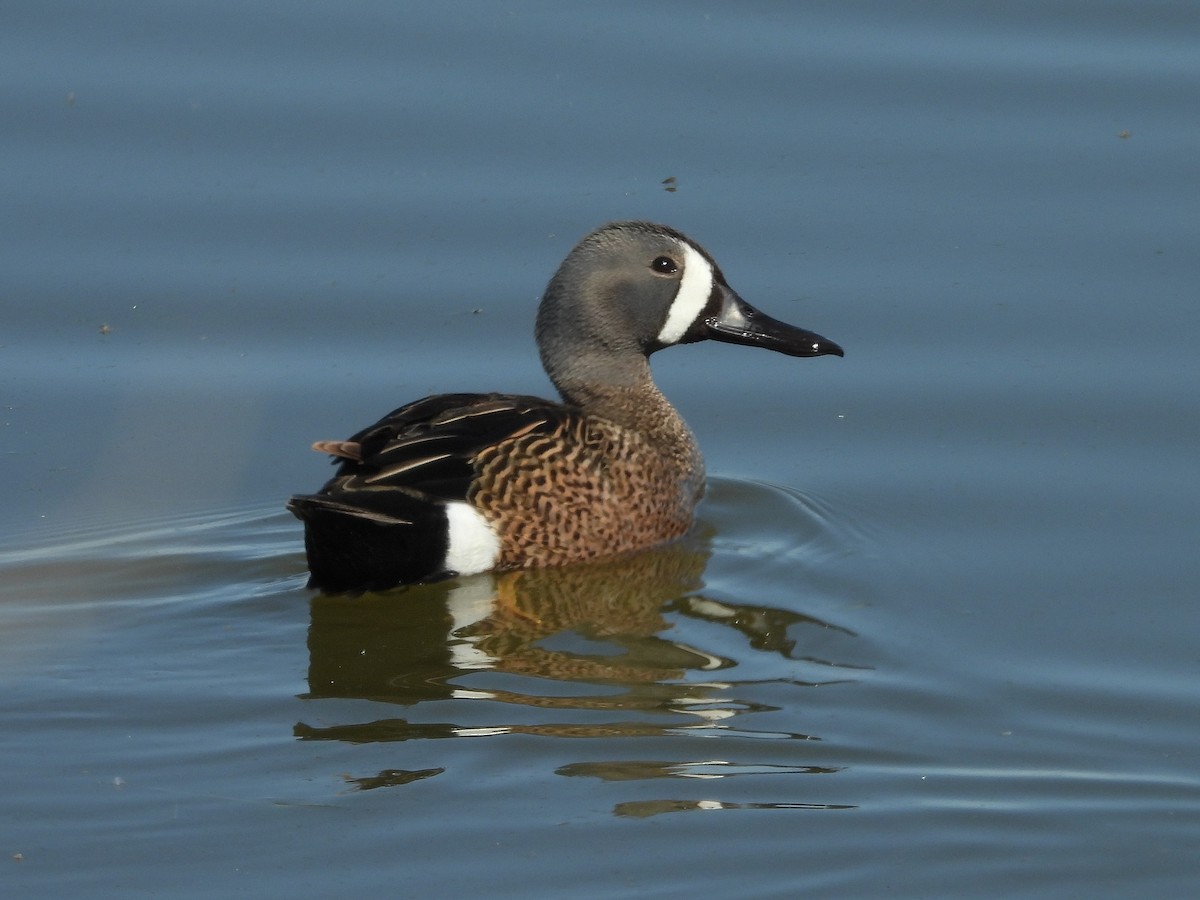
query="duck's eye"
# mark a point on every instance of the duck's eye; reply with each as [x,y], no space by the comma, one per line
[664,265]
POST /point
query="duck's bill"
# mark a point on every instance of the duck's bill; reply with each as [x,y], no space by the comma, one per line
[737,322]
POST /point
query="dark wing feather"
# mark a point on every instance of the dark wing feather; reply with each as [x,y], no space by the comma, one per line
[429,446]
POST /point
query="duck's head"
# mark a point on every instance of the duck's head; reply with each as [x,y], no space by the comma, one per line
[631,288]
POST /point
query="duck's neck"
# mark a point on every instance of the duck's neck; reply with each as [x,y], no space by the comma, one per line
[628,396]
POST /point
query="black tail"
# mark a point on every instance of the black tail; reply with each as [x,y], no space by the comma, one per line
[352,549]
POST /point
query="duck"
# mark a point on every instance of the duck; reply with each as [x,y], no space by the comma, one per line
[461,484]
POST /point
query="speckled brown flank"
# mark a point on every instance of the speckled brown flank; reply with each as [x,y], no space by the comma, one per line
[587,490]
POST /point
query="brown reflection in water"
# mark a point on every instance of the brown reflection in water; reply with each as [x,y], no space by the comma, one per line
[392,778]
[600,626]
[597,624]
[406,646]
[394,730]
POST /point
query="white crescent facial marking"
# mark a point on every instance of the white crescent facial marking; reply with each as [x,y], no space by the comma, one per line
[472,545]
[694,290]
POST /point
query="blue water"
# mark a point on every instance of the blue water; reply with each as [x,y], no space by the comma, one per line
[935,632]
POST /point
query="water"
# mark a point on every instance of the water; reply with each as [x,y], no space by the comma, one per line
[934,634]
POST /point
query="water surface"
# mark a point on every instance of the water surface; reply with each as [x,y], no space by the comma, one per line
[934,634]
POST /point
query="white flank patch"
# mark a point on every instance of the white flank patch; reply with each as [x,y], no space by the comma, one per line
[472,546]
[694,290]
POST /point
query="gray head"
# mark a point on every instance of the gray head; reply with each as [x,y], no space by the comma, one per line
[631,288]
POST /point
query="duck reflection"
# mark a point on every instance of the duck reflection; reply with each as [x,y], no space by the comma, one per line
[600,640]
[597,624]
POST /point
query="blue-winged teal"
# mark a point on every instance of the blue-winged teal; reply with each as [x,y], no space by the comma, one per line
[464,483]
